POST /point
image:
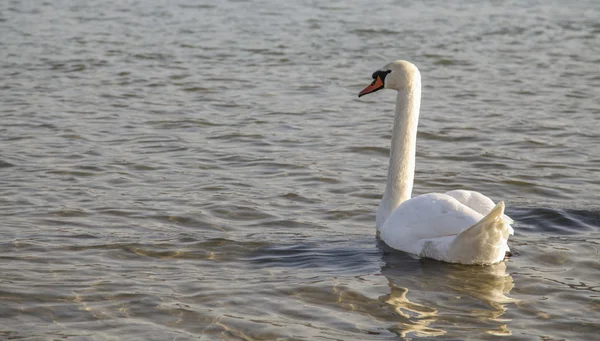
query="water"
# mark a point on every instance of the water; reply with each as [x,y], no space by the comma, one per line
[204,170]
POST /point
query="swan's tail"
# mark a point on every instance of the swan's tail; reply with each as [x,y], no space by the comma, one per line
[484,242]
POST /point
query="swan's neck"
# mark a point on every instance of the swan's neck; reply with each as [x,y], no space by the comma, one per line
[401,171]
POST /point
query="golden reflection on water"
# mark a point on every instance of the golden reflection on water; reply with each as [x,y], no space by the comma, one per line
[421,315]
[435,294]
[414,298]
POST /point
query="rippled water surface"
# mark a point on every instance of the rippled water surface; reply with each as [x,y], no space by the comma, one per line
[178,170]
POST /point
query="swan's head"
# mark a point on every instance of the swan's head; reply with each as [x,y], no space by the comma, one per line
[398,75]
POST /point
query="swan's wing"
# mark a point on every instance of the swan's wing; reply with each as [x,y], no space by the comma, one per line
[475,200]
[482,243]
[439,226]
[478,202]
[426,217]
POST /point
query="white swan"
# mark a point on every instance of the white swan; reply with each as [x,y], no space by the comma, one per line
[458,226]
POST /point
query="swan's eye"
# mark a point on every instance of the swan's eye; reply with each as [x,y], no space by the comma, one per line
[381,74]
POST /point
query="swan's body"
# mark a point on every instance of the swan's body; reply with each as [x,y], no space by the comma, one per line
[458,226]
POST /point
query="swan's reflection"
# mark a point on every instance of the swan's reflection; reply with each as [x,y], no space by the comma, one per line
[426,291]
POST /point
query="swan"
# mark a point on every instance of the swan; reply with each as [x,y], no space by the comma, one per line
[459,226]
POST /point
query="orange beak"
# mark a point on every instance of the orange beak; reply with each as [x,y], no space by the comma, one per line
[376,85]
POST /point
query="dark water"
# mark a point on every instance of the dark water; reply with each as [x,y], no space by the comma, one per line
[204,170]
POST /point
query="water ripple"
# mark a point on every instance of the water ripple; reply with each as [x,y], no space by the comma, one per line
[175,171]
